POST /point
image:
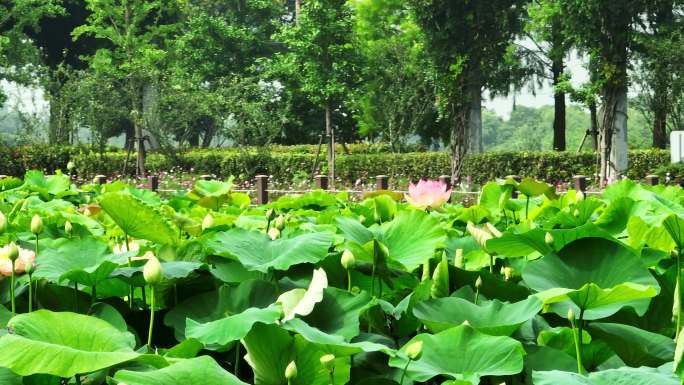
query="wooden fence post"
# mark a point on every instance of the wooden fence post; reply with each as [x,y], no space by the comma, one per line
[321,182]
[652,180]
[382,182]
[262,189]
[100,179]
[580,183]
[154,182]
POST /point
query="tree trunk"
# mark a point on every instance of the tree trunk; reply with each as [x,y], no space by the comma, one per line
[475,113]
[331,144]
[559,108]
[298,10]
[594,125]
[458,143]
[613,136]
[660,127]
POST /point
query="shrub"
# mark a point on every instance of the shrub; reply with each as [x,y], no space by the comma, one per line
[365,163]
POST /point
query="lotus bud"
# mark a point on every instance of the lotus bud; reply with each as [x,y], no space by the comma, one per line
[270,214]
[152,270]
[70,166]
[12,252]
[465,323]
[36,224]
[291,371]
[576,213]
[3,223]
[68,228]
[478,282]
[579,196]
[328,362]
[548,238]
[355,290]
[440,279]
[458,259]
[348,261]
[87,212]
[207,222]
[362,218]
[415,350]
[280,222]
[426,272]
[571,315]
[507,272]
[273,233]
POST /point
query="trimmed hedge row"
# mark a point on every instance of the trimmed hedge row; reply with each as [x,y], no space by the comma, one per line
[550,166]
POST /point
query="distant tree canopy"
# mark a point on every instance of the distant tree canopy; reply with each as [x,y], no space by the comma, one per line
[256,72]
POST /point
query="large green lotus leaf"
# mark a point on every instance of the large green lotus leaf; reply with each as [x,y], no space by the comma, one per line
[211,193]
[678,364]
[675,227]
[270,349]
[354,230]
[83,260]
[63,344]
[655,237]
[170,270]
[215,305]
[533,188]
[600,276]
[412,237]
[462,353]
[196,371]
[492,317]
[544,358]
[256,251]
[332,343]
[317,200]
[636,347]
[223,331]
[137,218]
[339,312]
[57,185]
[622,376]
[8,377]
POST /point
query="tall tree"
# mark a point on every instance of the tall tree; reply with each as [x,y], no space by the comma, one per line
[470,45]
[660,62]
[136,31]
[547,30]
[606,30]
[19,58]
[320,53]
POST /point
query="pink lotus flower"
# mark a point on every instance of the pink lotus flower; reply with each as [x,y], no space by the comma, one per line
[25,256]
[428,194]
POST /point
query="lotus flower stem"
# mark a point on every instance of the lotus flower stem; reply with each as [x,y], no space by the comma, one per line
[130,286]
[36,245]
[30,285]
[75,297]
[149,334]
[403,373]
[14,310]
[349,285]
[237,358]
[678,316]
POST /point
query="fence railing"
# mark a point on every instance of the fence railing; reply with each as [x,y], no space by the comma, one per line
[261,191]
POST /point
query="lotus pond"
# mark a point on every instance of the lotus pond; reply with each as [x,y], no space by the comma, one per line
[110,284]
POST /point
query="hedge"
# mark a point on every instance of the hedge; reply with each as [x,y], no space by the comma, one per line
[549,166]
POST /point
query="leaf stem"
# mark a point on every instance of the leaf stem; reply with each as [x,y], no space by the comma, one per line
[149,334]
[14,310]
[75,297]
[237,358]
[678,316]
[403,373]
[349,281]
[331,375]
[527,208]
[30,285]
[130,285]
[77,377]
